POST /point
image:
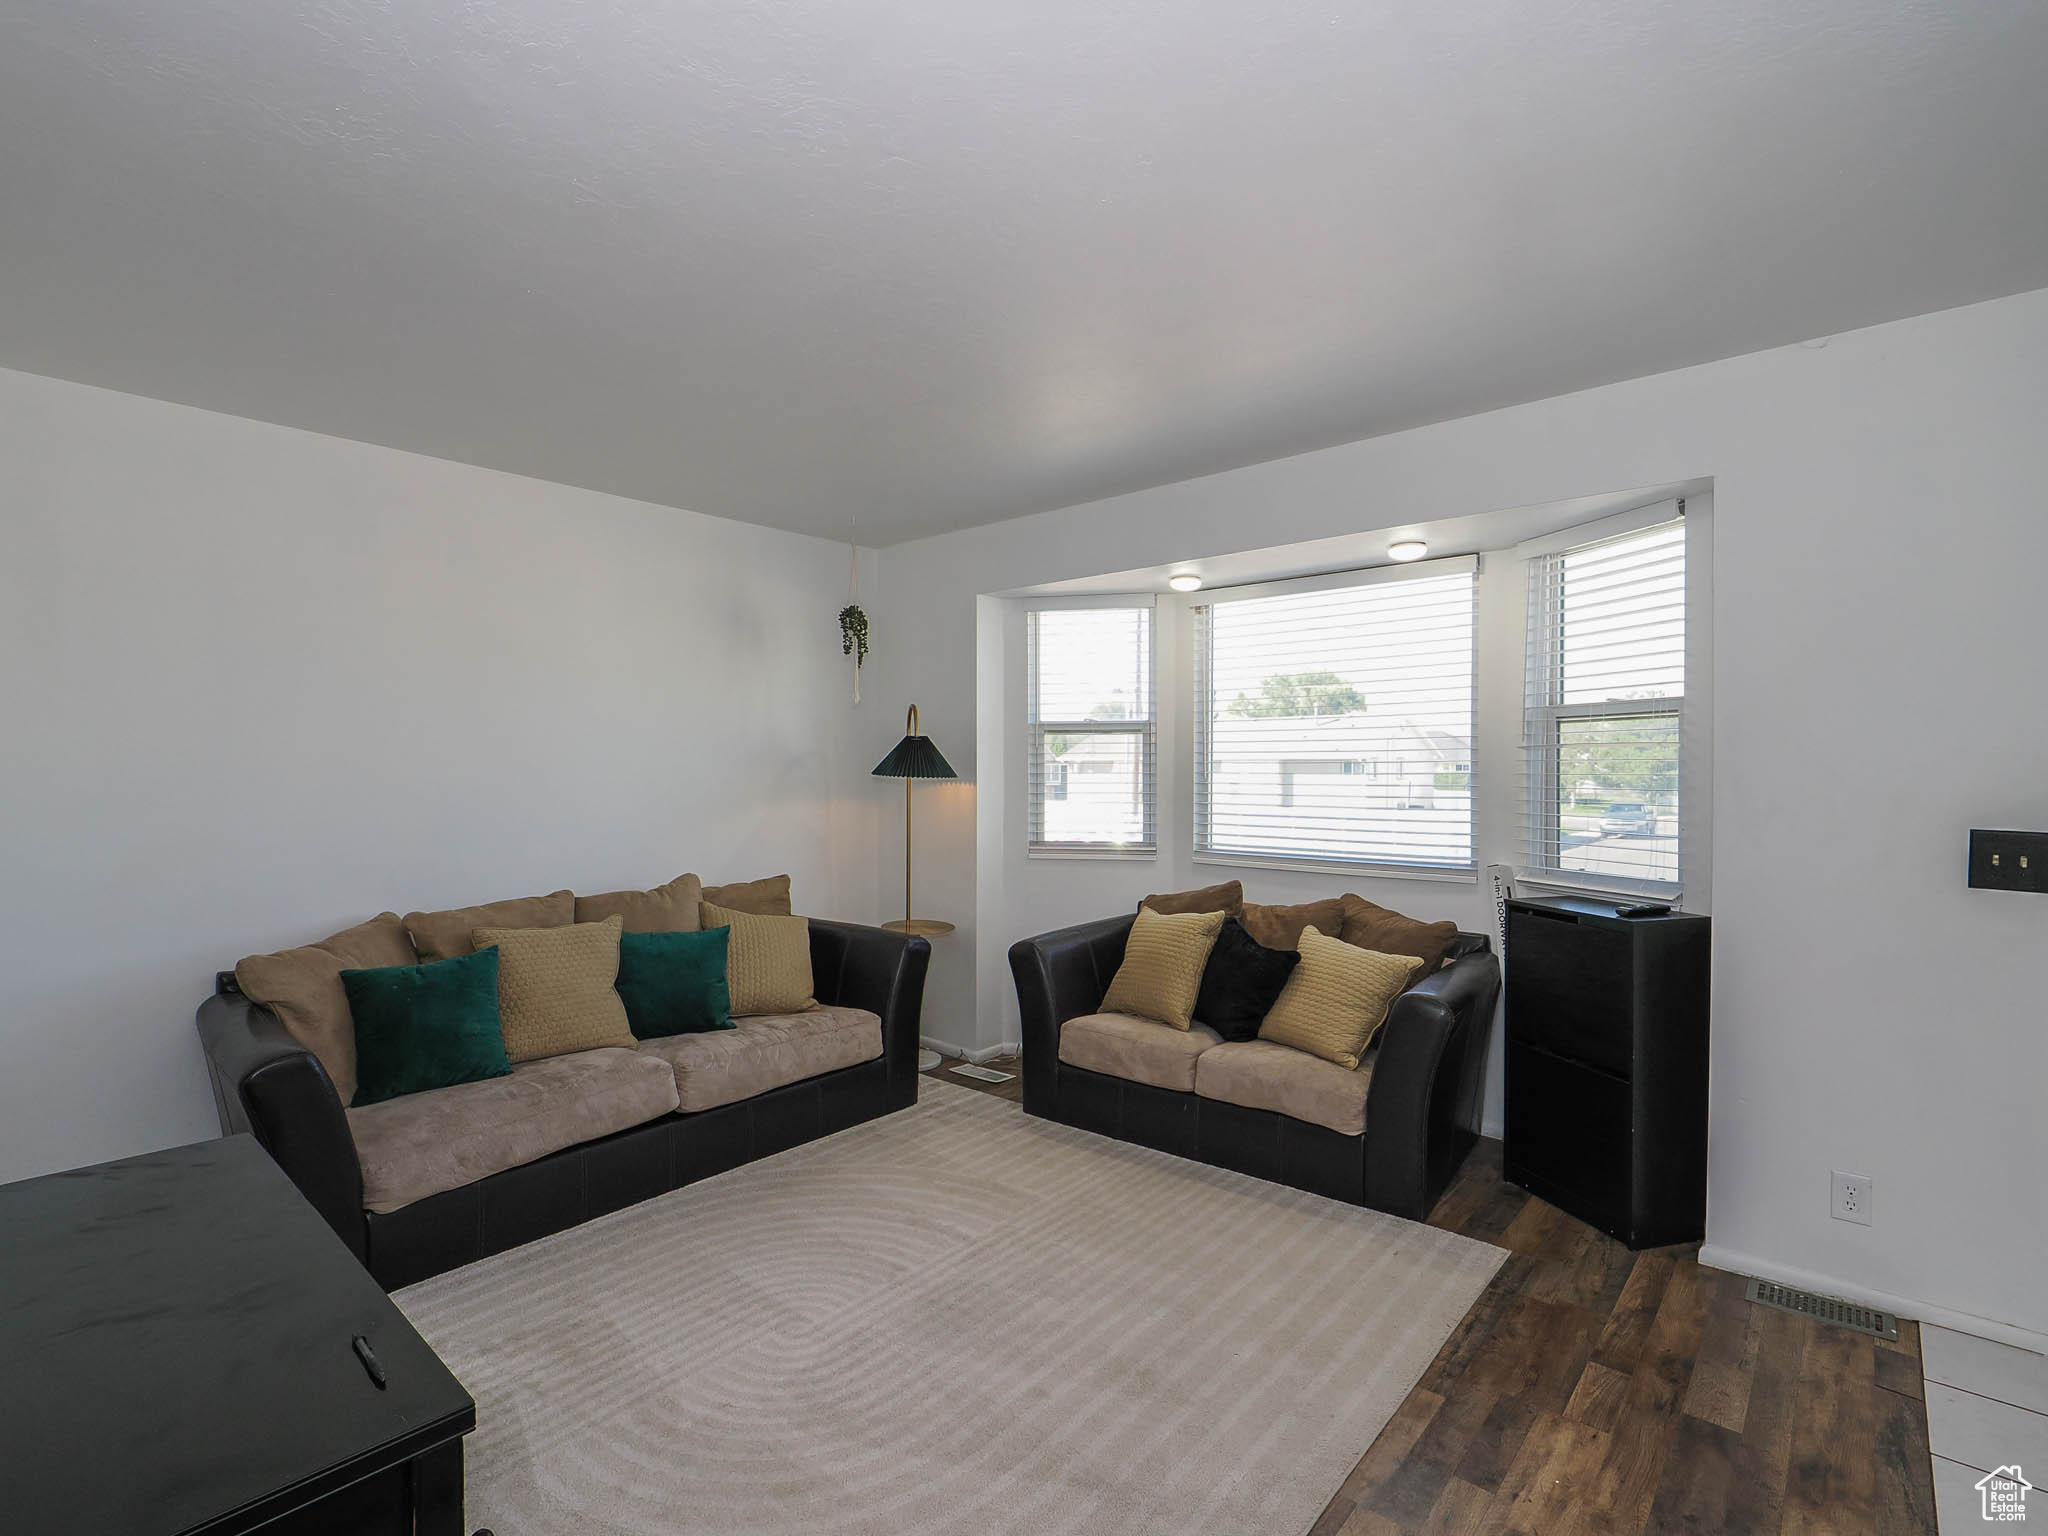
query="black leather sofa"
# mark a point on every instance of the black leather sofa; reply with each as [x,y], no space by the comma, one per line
[1422,1102]
[268,1085]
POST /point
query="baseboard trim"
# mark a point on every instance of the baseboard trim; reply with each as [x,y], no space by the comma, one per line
[1719,1257]
[977,1055]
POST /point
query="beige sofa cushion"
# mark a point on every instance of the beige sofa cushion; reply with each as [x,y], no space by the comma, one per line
[767,960]
[1136,1050]
[670,908]
[444,935]
[1162,965]
[303,988]
[1337,998]
[723,1066]
[1261,1075]
[766,897]
[423,1143]
[558,989]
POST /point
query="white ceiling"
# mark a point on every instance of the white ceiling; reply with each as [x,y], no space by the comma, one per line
[930,263]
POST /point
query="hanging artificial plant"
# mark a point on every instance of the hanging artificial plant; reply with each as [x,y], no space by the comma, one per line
[853,627]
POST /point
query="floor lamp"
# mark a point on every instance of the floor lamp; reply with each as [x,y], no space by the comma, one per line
[915,757]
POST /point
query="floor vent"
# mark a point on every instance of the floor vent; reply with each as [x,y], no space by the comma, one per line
[980,1074]
[1824,1309]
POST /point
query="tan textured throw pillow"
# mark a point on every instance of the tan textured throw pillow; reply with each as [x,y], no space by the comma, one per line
[1227,898]
[1280,927]
[1337,998]
[767,960]
[303,988]
[1162,969]
[444,935]
[767,897]
[670,908]
[558,988]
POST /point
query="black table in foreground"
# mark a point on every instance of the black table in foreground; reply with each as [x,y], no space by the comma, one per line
[178,1355]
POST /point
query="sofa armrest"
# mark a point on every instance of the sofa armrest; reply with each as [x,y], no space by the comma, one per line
[1060,976]
[268,1085]
[883,972]
[1424,1098]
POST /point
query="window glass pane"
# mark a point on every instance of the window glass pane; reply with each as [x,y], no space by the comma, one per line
[1094,664]
[1338,724]
[1617,808]
[1094,787]
[1091,739]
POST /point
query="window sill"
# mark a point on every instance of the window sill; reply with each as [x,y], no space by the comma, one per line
[1343,868]
[1598,890]
[1133,855]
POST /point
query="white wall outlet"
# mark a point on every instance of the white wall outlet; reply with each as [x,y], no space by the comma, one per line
[1852,1198]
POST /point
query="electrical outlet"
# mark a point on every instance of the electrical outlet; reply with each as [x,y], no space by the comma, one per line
[1852,1198]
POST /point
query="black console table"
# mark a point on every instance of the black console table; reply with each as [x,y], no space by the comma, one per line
[178,1354]
[1606,1075]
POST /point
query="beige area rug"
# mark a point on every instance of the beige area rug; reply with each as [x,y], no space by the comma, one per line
[954,1319]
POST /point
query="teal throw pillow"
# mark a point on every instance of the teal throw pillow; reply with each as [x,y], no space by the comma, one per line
[425,1026]
[674,983]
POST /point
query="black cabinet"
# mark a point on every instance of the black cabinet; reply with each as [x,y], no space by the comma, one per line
[1606,1081]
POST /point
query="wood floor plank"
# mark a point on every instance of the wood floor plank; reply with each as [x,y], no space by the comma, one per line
[1904,1470]
[1722,1375]
[1600,1398]
[1594,1392]
[1830,1482]
[1628,1325]
[1692,1487]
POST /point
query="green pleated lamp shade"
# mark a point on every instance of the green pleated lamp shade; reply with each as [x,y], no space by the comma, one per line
[914,757]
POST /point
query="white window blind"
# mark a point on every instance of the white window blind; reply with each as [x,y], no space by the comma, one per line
[1333,721]
[1602,726]
[1093,735]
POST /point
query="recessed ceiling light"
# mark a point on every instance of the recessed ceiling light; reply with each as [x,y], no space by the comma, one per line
[1407,549]
[1185,582]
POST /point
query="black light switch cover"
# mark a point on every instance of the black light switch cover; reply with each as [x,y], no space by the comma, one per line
[2009,861]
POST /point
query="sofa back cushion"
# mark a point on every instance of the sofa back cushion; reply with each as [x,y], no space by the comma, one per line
[425,1026]
[1162,970]
[767,960]
[558,988]
[670,908]
[1382,928]
[1337,998]
[1227,897]
[443,935]
[303,988]
[1280,927]
[767,897]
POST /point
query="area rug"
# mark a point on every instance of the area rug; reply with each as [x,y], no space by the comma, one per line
[954,1319]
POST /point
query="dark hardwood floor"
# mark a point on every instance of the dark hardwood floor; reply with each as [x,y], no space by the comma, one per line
[1592,1390]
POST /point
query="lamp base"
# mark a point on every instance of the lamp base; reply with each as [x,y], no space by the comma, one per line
[920,927]
[926,1060]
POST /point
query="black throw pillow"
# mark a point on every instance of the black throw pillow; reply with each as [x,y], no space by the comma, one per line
[1241,982]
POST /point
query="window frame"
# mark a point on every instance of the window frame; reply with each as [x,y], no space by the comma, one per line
[1036,729]
[1203,850]
[1543,719]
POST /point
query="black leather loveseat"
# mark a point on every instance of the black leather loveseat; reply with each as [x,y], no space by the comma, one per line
[267,1084]
[1420,1101]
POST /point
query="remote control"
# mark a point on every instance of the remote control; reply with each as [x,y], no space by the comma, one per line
[1648,909]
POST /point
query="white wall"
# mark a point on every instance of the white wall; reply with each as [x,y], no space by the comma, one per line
[260,684]
[1879,547]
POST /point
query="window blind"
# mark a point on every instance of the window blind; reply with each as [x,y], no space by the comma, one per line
[1092,729]
[1603,721]
[1333,721]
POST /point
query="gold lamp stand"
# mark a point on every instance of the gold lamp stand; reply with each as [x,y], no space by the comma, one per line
[915,758]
